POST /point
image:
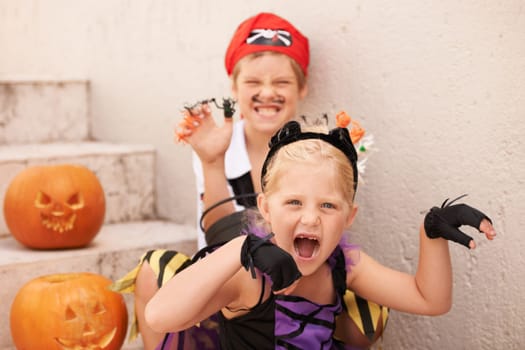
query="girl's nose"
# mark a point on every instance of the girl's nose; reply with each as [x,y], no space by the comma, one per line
[310,218]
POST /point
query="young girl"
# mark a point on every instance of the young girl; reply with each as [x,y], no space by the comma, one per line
[282,284]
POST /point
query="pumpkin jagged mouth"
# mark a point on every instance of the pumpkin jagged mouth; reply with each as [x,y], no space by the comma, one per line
[73,344]
[59,224]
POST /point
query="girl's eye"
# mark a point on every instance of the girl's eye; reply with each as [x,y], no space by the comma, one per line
[294,202]
[327,205]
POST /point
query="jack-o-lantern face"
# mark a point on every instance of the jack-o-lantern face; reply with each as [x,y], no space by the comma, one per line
[49,207]
[68,312]
[84,325]
[58,216]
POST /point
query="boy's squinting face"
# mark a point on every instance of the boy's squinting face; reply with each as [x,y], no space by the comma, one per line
[307,213]
[267,92]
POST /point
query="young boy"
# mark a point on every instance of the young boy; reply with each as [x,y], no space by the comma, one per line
[267,62]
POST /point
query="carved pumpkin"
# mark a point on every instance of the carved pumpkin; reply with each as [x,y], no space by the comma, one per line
[54,206]
[69,311]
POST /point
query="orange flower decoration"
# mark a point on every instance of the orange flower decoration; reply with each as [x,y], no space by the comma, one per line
[356,132]
[343,120]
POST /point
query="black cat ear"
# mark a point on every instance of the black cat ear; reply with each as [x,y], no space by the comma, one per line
[290,130]
[341,136]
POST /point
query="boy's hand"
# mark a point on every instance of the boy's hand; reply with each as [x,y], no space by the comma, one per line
[445,222]
[270,259]
[208,140]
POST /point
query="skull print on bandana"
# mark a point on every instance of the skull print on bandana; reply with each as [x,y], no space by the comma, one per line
[269,37]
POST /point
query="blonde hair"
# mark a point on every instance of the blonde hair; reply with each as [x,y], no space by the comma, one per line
[313,151]
[298,72]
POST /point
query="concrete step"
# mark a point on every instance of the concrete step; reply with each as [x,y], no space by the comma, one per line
[113,253]
[44,111]
[126,172]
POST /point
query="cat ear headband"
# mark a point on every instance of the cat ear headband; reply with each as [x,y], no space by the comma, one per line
[291,132]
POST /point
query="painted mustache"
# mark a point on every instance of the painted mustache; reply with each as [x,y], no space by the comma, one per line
[257,98]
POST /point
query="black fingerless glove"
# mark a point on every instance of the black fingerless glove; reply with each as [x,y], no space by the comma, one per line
[270,259]
[445,221]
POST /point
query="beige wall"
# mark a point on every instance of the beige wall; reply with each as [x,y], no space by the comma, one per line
[441,85]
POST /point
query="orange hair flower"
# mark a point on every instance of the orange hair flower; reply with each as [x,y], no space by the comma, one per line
[356,132]
[343,120]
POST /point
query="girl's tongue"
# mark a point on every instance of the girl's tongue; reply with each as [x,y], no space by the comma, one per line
[305,247]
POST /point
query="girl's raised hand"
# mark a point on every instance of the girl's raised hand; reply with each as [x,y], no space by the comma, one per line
[445,221]
[262,254]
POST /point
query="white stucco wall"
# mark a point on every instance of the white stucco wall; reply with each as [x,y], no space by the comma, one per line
[441,85]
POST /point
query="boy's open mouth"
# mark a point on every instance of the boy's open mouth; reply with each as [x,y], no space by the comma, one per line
[305,246]
[267,111]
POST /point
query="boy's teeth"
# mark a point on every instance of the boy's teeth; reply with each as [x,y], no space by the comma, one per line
[266,111]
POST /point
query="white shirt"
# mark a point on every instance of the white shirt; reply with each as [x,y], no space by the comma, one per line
[237,164]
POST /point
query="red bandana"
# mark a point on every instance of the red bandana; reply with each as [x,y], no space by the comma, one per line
[267,32]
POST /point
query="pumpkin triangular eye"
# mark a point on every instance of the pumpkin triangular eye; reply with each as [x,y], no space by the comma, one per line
[76,201]
[42,200]
[70,314]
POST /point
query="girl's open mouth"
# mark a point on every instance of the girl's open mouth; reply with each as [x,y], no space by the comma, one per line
[306,247]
